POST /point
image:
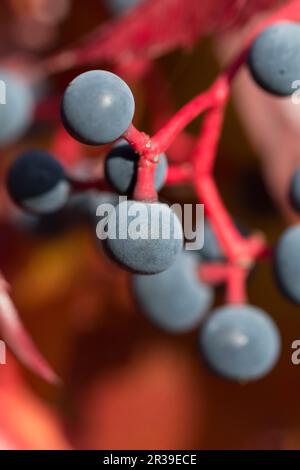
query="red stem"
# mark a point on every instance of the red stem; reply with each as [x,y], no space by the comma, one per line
[233,276]
[179,174]
[236,285]
[218,93]
[139,141]
[149,157]
[214,96]
[145,188]
[229,238]
[239,252]
[203,160]
[213,273]
[161,110]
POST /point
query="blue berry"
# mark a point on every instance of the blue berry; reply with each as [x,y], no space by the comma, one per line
[286,263]
[37,183]
[97,107]
[118,7]
[155,244]
[294,193]
[175,300]
[16,113]
[274,58]
[87,202]
[240,342]
[80,209]
[121,168]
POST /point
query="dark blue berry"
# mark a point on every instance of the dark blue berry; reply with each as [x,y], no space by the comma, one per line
[121,169]
[36,182]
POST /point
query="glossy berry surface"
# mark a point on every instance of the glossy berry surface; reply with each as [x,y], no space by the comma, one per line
[174,300]
[121,169]
[294,193]
[36,182]
[97,107]
[151,250]
[240,342]
[16,108]
[286,263]
[274,58]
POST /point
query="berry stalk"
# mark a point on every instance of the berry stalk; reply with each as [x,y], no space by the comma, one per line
[145,184]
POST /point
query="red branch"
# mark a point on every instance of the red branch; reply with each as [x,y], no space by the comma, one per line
[233,276]
[154,28]
[146,33]
[179,174]
[236,285]
[240,252]
[145,185]
[213,273]
[161,109]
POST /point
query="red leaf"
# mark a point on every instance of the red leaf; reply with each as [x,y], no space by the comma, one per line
[16,337]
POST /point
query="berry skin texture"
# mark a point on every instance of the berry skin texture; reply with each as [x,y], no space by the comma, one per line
[97,107]
[119,7]
[240,342]
[174,300]
[286,263]
[16,114]
[274,58]
[121,169]
[36,182]
[148,250]
[294,194]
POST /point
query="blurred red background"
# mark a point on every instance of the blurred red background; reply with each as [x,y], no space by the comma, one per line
[126,384]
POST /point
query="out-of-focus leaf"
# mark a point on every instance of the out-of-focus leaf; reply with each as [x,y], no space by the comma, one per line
[17,338]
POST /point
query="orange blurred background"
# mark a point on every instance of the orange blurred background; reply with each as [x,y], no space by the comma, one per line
[127,385]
